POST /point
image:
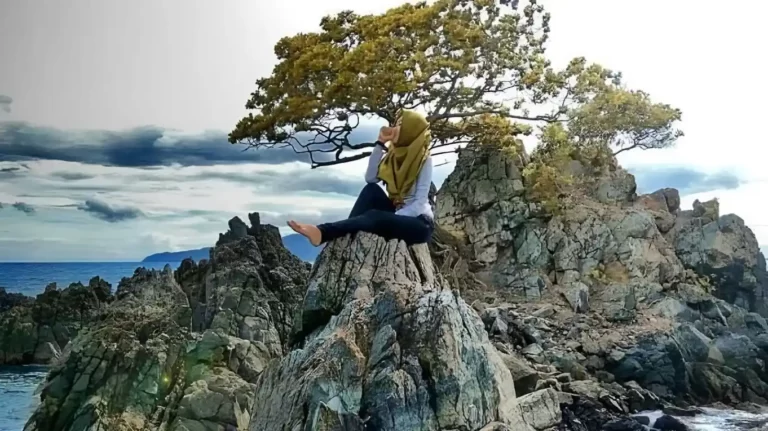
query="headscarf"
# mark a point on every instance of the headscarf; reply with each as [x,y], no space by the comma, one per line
[401,166]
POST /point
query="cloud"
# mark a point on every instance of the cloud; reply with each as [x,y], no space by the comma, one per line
[686,180]
[293,180]
[23,207]
[72,176]
[109,213]
[5,103]
[141,147]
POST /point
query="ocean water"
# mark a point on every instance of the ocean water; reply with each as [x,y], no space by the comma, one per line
[18,384]
[17,400]
[31,278]
[719,420]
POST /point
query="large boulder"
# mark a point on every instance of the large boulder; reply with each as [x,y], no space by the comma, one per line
[180,351]
[383,343]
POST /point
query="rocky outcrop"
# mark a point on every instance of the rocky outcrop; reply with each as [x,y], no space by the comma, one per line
[10,300]
[180,351]
[725,250]
[383,343]
[627,300]
[526,252]
[617,304]
[37,331]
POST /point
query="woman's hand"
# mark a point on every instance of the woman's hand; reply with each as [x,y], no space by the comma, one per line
[388,134]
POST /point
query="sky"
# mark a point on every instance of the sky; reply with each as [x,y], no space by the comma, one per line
[114,115]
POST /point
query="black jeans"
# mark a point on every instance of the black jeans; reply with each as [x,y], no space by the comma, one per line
[373,212]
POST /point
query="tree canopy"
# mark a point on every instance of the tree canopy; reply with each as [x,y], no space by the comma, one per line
[476,68]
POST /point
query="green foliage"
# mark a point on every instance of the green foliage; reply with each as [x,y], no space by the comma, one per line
[562,166]
[546,175]
[465,63]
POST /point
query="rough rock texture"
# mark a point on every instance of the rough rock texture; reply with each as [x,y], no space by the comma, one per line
[10,300]
[382,341]
[726,250]
[180,351]
[37,331]
[525,252]
[618,304]
[623,299]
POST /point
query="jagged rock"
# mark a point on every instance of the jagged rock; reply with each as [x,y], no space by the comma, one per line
[152,363]
[725,250]
[541,409]
[663,205]
[585,414]
[577,295]
[37,331]
[618,186]
[407,353]
[525,377]
[10,300]
[482,200]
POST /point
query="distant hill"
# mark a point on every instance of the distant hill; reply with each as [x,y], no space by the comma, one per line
[301,247]
[296,243]
[178,256]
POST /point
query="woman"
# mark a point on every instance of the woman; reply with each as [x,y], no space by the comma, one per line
[406,170]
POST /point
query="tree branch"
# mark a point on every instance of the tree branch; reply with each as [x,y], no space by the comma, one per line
[502,113]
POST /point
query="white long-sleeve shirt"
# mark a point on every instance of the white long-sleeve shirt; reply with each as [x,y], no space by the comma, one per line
[416,203]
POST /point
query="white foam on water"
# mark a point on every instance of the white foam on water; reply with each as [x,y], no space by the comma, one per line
[716,419]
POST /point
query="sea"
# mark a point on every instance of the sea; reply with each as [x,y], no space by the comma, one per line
[19,385]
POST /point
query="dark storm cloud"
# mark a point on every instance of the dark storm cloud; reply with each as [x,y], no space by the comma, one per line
[139,148]
[5,103]
[686,180]
[112,214]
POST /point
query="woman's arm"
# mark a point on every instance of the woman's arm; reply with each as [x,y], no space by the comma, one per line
[421,190]
[372,174]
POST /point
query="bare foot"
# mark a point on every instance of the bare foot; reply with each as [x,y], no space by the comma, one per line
[311,232]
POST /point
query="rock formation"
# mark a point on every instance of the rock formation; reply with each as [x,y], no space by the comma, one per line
[576,321]
[36,331]
[383,343]
[621,298]
[180,351]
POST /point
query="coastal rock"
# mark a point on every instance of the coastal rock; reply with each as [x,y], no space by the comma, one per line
[408,353]
[725,250]
[171,351]
[37,331]
[521,251]
[10,300]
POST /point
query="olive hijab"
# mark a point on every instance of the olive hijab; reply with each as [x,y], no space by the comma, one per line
[400,167]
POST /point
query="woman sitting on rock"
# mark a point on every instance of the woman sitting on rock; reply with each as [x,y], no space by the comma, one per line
[406,170]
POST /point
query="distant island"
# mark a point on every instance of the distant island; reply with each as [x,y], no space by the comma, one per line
[178,256]
[295,243]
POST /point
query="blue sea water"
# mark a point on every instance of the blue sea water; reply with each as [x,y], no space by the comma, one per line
[31,278]
[17,400]
[18,384]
